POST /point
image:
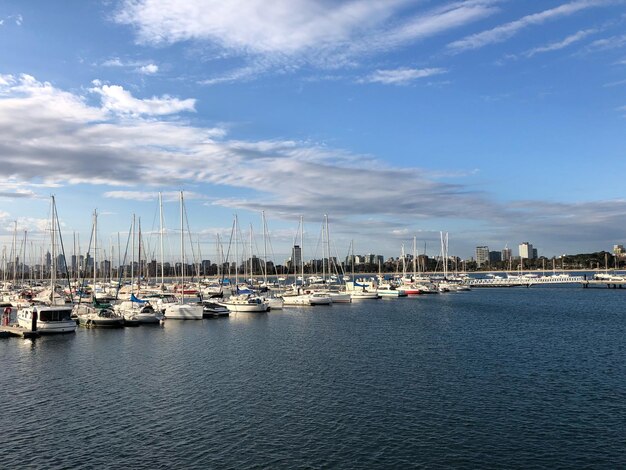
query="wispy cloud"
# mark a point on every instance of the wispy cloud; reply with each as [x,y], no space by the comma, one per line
[118,100]
[17,20]
[613,42]
[287,34]
[616,83]
[401,76]
[72,142]
[555,46]
[146,196]
[139,66]
[506,31]
[149,69]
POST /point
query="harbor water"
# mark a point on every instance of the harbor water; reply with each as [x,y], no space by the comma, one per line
[493,378]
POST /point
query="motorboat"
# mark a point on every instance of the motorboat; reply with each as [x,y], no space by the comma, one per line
[47,319]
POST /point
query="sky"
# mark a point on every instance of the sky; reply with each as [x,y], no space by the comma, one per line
[497,121]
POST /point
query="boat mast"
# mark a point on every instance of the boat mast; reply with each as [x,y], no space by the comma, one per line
[53,271]
[236,254]
[132,259]
[251,265]
[182,252]
[95,250]
[264,248]
[414,257]
[139,258]
[24,258]
[161,240]
[302,247]
[324,248]
[14,252]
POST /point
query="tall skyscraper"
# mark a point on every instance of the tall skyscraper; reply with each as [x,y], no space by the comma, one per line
[296,256]
[525,250]
[482,255]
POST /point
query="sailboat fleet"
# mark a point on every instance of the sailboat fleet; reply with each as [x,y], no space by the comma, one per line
[65,304]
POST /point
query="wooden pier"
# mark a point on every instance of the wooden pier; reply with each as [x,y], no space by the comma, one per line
[8,331]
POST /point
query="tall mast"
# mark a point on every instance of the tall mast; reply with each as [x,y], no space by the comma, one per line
[251,264]
[324,241]
[132,260]
[139,258]
[182,252]
[161,239]
[264,248]
[328,244]
[236,254]
[24,258]
[414,258]
[302,247]
[14,252]
[53,271]
[95,250]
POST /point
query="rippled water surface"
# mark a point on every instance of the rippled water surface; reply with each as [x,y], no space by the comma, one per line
[489,378]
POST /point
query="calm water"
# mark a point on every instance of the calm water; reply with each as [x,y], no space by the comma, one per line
[490,378]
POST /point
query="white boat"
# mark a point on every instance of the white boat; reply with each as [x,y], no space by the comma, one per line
[275,303]
[364,295]
[299,299]
[98,316]
[212,309]
[245,303]
[184,312]
[47,319]
[140,312]
[388,290]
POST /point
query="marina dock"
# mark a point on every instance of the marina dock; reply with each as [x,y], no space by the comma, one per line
[9,331]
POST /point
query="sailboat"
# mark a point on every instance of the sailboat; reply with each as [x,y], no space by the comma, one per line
[243,300]
[55,315]
[299,296]
[361,289]
[181,310]
[138,311]
[328,289]
[100,315]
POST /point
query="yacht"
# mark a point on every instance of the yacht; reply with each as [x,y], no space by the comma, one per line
[47,319]
[98,316]
[141,312]
[245,303]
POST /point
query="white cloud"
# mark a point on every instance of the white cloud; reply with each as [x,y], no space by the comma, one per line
[401,76]
[138,66]
[506,31]
[555,46]
[613,42]
[63,139]
[149,69]
[152,195]
[51,136]
[118,100]
[328,34]
[16,19]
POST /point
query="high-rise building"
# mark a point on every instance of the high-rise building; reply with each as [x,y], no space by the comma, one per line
[296,256]
[507,254]
[495,257]
[482,255]
[525,250]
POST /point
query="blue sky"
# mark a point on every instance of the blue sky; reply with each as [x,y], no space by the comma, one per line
[496,121]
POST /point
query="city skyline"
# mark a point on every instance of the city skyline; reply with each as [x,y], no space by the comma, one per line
[490,120]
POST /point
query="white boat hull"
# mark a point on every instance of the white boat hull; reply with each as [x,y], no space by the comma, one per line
[24,320]
[183,312]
